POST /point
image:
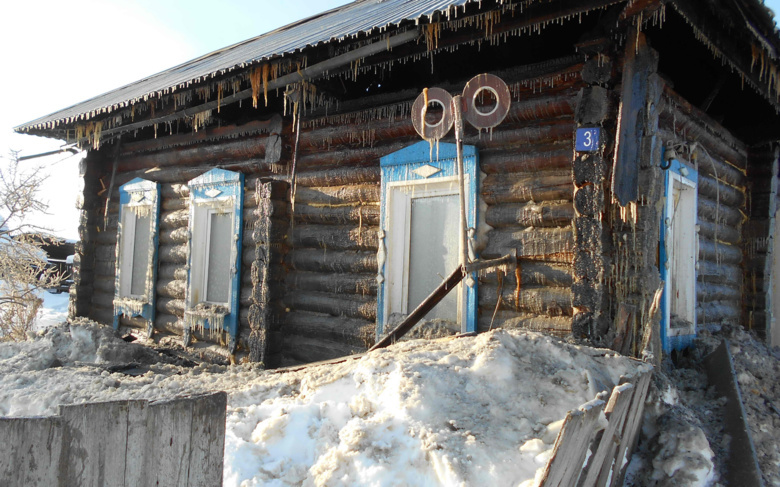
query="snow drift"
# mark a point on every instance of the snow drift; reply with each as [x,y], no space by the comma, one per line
[479,410]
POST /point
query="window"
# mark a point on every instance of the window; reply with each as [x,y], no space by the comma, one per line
[136,265]
[420,234]
[214,263]
[679,250]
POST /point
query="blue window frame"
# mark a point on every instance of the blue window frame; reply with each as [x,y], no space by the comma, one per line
[214,255]
[419,234]
[136,262]
[678,256]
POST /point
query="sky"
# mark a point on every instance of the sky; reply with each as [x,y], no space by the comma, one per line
[57,53]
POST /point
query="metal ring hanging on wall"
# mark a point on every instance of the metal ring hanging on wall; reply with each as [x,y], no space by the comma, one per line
[492,84]
[419,109]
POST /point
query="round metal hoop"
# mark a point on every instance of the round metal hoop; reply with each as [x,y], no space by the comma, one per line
[419,108]
[494,84]
[477,93]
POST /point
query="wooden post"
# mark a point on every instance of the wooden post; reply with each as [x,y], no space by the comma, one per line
[458,122]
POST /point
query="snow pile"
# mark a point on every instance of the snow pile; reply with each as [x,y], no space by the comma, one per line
[478,411]
[66,345]
[683,454]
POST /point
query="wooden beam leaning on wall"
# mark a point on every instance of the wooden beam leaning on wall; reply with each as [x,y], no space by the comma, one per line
[447,285]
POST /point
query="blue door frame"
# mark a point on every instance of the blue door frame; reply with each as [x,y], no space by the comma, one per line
[674,341]
[419,163]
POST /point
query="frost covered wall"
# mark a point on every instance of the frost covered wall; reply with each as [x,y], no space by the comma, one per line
[326,284]
[171,161]
[758,243]
[721,160]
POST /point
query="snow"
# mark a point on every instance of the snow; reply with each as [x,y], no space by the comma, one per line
[479,410]
[54,310]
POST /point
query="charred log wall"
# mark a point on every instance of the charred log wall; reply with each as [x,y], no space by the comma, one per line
[529,194]
[327,283]
[633,275]
[762,204]
[91,205]
[331,284]
[266,313]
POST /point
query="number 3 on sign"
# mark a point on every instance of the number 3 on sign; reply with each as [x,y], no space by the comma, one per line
[587,140]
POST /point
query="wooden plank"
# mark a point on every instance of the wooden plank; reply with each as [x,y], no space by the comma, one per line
[207,440]
[351,332]
[545,243]
[631,428]
[30,451]
[94,443]
[169,450]
[600,464]
[306,349]
[138,437]
[351,305]
[624,334]
[565,465]
[741,463]
[639,63]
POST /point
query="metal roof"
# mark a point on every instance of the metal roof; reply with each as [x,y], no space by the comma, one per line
[361,16]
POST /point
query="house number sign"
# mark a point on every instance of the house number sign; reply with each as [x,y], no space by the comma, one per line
[587,139]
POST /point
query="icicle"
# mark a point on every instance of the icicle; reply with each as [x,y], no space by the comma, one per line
[255,80]
[432,33]
[266,70]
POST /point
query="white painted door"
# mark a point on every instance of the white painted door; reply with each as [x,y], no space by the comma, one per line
[423,247]
[433,252]
[683,256]
[681,250]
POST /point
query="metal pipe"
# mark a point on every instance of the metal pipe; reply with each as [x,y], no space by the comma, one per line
[72,150]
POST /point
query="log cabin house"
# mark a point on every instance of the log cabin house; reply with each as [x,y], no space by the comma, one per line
[274,197]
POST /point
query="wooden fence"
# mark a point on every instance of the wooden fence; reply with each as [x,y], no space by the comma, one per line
[119,443]
[609,447]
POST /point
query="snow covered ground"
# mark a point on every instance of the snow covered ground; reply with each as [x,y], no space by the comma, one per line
[469,411]
[479,410]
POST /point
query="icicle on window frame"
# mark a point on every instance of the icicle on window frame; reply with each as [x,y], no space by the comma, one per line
[139,201]
[217,192]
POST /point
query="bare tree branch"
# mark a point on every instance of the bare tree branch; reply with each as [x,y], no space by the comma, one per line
[24,270]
